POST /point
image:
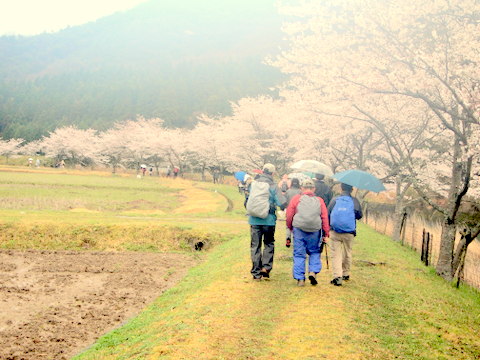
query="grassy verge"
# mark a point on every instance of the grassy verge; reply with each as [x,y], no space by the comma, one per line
[98,212]
[408,310]
[400,310]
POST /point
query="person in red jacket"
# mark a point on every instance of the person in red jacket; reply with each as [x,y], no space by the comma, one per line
[307,217]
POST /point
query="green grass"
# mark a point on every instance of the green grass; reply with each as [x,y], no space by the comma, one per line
[43,191]
[100,212]
[400,310]
[407,308]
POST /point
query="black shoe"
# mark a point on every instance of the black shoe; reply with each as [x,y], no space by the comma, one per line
[312,279]
[346,277]
[265,273]
[337,281]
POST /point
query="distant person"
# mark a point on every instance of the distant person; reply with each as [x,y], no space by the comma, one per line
[150,171]
[30,162]
[144,170]
[169,171]
[241,186]
[322,189]
[261,206]
[245,187]
[344,210]
[289,194]
[216,176]
[307,218]
[283,184]
[176,170]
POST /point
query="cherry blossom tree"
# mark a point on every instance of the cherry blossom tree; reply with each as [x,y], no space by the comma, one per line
[10,147]
[346,54]
[113,147]
[72,145]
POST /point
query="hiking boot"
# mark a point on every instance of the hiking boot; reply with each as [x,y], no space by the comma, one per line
[346,277]
[313,278]
[337,281]
[265,273]
[300,282]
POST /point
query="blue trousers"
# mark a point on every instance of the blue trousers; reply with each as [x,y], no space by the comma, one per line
[306,243]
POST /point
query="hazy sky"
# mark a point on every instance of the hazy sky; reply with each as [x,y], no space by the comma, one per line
[30,17]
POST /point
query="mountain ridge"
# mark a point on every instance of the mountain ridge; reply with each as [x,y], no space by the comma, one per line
[139,62]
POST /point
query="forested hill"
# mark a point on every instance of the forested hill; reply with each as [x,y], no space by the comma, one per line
[170,59]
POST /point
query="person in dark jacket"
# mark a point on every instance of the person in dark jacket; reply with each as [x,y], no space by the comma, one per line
[263,230]
[322,189]
[344,210]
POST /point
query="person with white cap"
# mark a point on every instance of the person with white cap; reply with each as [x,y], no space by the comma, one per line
[262,193]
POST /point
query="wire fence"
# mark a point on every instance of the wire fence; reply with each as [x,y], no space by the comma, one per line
[416,230]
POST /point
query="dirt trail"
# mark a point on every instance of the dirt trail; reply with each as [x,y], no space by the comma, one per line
[53,304]
[236,318]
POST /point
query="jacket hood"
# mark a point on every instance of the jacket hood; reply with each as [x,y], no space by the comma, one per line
[265,178]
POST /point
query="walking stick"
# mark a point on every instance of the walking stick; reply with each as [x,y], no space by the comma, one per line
[326,254]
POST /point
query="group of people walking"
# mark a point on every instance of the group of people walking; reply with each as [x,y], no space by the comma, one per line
[314,218]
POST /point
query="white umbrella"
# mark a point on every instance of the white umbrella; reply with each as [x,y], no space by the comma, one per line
[313,166]
[298,176]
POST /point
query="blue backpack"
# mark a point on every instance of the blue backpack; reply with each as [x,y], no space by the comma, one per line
[342,217]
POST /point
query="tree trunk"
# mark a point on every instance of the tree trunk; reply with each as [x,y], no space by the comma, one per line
[399,221]
[460,179]
[445,257]
[400,211]
[459,257]
[461,251]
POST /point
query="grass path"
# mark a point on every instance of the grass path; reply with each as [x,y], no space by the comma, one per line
[398,311]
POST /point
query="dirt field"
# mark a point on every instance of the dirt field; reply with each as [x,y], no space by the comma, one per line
[55,304]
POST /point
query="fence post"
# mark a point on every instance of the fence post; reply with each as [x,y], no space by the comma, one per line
[427,249]
[403,230]
[430,249]
[422,256]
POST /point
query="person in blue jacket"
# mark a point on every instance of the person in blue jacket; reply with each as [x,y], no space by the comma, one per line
[344,211]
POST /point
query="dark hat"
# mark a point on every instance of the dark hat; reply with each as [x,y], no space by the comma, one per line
[346,187]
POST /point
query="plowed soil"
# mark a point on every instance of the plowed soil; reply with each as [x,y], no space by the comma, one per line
[55,304]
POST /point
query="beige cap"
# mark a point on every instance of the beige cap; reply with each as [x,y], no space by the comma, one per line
[269,168]
[308,183]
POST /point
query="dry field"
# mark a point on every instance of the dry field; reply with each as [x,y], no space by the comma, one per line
[53,304]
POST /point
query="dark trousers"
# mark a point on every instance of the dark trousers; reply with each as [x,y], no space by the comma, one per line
[259,234]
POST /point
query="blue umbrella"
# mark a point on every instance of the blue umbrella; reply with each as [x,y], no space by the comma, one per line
[240,175]
[360,179]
